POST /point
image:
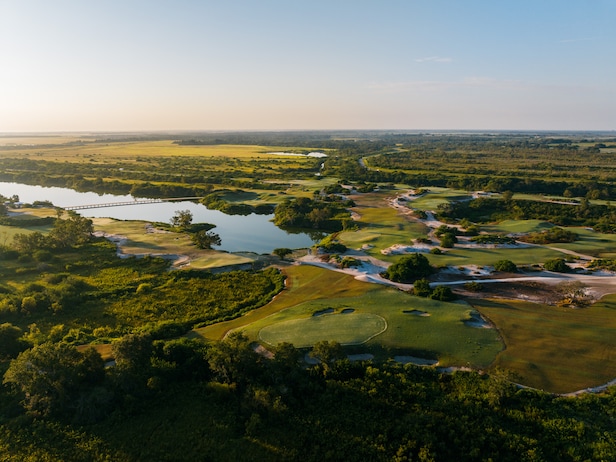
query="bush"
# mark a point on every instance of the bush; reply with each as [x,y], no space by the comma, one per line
[409,268]
[421,288]
[557,265]
[442,293]
[505,265]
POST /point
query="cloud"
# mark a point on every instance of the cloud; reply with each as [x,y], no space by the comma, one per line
[434,59]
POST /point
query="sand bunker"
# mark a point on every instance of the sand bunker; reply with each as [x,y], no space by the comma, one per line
[416,312]
[322,312]
[477,321]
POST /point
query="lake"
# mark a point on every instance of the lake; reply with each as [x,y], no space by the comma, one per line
[238,233]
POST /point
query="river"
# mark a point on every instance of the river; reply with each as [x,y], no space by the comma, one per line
[238,233]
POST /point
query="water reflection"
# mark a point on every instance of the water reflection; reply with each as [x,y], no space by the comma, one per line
[253,233]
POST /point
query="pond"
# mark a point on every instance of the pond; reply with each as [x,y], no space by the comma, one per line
[238,233]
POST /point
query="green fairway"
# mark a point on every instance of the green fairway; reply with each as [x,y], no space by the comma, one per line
[517,226]
[591,243]
[437,196]
[381,228]
[344,328]
[488,256]
[441,333]
[554,348]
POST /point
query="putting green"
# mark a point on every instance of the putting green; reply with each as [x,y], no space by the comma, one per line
[346,329]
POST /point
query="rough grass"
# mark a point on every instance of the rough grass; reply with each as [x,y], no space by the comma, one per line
[552,348]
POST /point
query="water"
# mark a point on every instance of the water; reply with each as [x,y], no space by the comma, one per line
[250,233]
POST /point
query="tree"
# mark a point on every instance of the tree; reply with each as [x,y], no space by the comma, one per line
[557,265]
[51,375]
[206,239]
[233,361]
[327,352]
[442,293]
[11,343]
[182,219]
[409,268]
[73,231]
[421,288]
[282,252]
[506,266]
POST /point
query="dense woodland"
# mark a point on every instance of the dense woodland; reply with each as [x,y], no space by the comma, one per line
[170,395]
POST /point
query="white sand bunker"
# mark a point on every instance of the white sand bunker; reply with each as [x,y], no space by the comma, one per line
[400,249]
[415,360]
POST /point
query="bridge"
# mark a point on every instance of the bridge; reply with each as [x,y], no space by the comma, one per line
[133,202]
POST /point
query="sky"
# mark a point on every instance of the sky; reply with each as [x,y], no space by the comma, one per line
[132,65]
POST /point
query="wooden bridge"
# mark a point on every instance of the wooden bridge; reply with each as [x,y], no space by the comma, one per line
[133,202]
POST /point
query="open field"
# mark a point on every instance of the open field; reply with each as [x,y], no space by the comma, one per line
[553,348]
[91,151]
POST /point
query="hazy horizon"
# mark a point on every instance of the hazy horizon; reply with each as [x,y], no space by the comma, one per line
[191,66]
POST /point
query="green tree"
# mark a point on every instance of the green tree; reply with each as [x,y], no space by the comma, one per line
[11,342]
[233,360]
[409,268]
[206,239]
[73,231]
[182,219]
[442,293]
[51,375]
[282,252]
[506,266]
[421,288]
[557,265]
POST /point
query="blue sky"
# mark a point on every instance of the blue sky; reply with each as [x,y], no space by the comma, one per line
[276,65]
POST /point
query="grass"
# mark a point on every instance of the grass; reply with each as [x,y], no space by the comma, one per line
[552,348]
[517,226]
[130,150]
[346,329]
[303,283]
[488,256]
[441,335]
[381,227]
[591,243]
[437,196]
[138,242]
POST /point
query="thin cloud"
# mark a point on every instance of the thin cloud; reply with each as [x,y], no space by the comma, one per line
[434,59]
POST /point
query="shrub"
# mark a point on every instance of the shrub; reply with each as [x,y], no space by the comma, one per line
[421,288]
[557,265]
[409,268]
[442,293]
[505,265]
